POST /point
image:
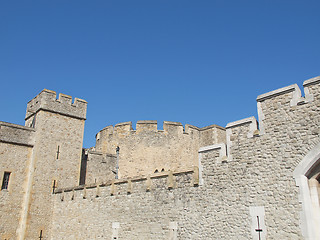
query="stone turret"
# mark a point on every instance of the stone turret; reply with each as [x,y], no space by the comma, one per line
[56,156]
[148,149]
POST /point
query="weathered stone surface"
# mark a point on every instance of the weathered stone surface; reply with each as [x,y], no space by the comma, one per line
[210,183]
[147,150]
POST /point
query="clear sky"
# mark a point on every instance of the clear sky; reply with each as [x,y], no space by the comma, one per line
[196,62]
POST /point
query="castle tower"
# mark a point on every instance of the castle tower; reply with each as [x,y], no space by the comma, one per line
[56,157]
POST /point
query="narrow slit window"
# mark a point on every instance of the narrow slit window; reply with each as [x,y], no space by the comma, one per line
[58,152]
[5,181]
[54,186]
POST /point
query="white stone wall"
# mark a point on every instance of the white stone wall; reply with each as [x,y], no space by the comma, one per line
[256,173]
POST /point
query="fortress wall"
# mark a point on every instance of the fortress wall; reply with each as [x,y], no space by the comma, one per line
[99,166]
[144,213]
[14,158]
[224,197]
[217,209]
[289,128]
[16,144]
[16,134]
[253,169]
[59,126]
[173,148]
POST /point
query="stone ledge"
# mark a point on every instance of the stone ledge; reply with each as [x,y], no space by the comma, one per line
[280,91]
[147,122]
[172,123]
[211,147]
[122,124]
[248,120]
[311,81]
[12,125]
[16,134]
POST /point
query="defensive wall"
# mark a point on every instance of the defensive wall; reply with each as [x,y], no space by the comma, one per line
[244,185]
[16,144]
[44,154]
[174,148]
[237,182]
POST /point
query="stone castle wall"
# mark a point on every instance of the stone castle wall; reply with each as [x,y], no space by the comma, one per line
[59,127]
[216,184]
[254,169]
[160,198]
[147,150]
[46,151]
[16,144]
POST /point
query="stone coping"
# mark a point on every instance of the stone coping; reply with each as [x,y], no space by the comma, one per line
[211,147]
[277,92]
[172,123]
[241,122]
[12,125]
[311,81]
[154,122]
[123,124]
[147,122]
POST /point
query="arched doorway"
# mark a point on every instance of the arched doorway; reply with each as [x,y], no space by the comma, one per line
[307,176]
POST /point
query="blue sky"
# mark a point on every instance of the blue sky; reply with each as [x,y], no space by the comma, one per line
[196,62]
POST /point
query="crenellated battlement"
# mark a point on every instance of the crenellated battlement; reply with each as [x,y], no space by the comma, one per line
[278,103]
[292,94]
[312,88]
[144,126]
[178,182]
[47,100]
[173,148]
[277,106]
[164,180]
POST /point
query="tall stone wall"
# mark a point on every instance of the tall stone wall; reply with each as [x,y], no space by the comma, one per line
[59,126]
[147,150]
[289,129]
[14,159]
[254,170]
[213,210]
[16,144]
[41,156]
[234,186]
[143,207]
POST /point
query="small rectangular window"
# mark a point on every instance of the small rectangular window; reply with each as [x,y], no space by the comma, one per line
[5,181]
